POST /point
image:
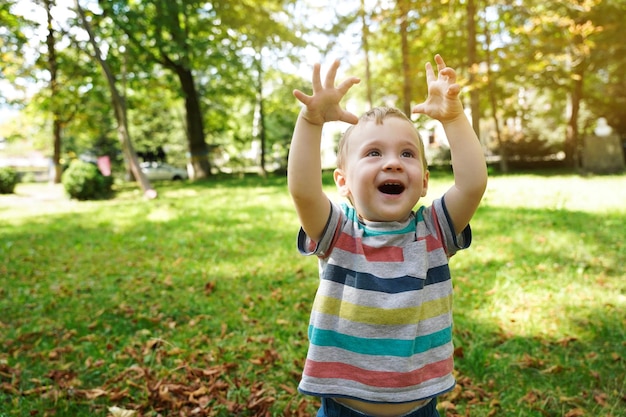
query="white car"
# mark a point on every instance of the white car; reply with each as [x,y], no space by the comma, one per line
[156,171]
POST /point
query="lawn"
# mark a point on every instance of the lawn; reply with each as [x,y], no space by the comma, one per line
[197,303]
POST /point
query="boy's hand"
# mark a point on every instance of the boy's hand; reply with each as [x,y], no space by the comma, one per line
[323,105]
[443,101]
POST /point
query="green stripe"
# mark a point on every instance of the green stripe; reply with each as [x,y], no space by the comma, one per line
[380,347]
[352,215]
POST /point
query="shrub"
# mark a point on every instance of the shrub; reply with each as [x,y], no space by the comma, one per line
[8,180]
[83,181]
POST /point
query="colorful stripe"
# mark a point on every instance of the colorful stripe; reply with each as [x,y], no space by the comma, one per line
[371,232]
[370,282]
[383,379]
[356,246]
[378,316]
[381,347]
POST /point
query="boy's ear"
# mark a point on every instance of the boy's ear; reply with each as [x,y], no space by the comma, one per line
[425,183]
[340,181]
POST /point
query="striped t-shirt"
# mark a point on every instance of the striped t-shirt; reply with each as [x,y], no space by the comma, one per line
[381,322]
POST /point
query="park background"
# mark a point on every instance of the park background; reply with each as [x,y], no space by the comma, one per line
[195,303]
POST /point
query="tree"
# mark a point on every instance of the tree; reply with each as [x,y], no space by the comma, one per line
[473,63]
[201,43]
[493,101]
[605,85]
[365,39]
[119,108]
[407,73]
[12,41]
[53,67]
[265,39]
[562,36]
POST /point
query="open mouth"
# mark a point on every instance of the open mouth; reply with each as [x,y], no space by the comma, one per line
[391,188]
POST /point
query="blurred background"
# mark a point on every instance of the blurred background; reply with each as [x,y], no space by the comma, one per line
[206,86]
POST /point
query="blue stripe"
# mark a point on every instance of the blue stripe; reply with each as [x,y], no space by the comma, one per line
[380,347]
[365,281]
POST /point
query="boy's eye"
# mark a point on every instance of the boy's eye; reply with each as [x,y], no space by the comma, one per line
[373,153]
[408,154]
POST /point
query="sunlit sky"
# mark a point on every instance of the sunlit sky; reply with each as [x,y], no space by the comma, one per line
[33,12]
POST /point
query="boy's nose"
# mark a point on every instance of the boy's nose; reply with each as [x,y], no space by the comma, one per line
[392,164]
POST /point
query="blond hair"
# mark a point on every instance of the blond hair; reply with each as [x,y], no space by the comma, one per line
[378,115]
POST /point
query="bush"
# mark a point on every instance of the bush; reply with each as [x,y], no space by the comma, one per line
[83,181]
[8,180]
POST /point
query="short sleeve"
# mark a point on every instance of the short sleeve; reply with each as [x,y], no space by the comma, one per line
[306,246]
[439,219]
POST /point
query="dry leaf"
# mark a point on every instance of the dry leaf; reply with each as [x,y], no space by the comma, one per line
[601,398]
[554,369]
[120,412]
[576,412]
[447,405]
[531,397]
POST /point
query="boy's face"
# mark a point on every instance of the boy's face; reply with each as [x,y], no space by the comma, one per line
[383,174]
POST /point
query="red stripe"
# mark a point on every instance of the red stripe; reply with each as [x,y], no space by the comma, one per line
[356,246]
[432,243]
[439,240]
[382,379]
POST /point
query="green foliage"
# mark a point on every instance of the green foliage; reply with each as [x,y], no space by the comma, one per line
[528,146]
[153,45]
[8,180]
[83,181]
[157,122]
[12,40]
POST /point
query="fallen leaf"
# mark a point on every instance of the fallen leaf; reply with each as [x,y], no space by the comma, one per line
[528,361]
[566,341]
[91,394]
[290,390]
[6,387]
[447,405]
[554,369]
[120,412]
[576,412]
[531,397]
[495,403]
[459,352]
[209,287]
[601,398]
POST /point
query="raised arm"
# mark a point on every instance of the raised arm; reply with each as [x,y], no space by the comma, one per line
[304,165]
[468,161]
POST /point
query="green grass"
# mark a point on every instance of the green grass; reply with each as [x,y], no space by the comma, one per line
[198,301]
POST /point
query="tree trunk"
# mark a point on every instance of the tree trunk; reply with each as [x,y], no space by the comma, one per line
[260,116]
[57,171]
[473,65]
[198,149]
[571,140]
[504,163]
[119,107]
[368,74]
[407,77]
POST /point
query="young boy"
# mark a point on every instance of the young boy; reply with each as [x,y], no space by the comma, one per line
[380,331]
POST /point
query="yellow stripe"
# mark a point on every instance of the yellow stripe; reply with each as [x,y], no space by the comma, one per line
[375,315]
